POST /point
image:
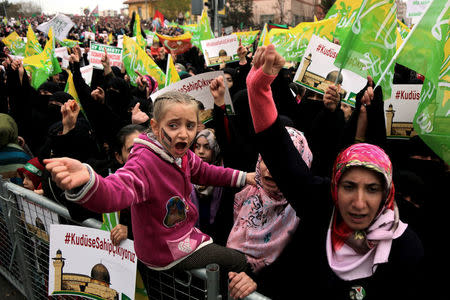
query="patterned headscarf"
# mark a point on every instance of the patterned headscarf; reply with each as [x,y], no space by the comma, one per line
[263,222]
[377,239]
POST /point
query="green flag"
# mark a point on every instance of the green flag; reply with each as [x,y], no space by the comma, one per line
[263,36]
[43,65]
[135,59]
[422,51]
[15,44]
[204,28]
[32,47]
[345,11]
[292,43]
[69,43]
[371,43]
[427,51]
[193,29]
[138,34]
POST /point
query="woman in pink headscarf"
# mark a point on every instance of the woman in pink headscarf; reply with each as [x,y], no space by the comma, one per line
[365,251]
[264,222]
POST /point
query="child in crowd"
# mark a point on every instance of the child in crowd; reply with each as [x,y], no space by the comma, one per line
[159,172]
[31,174]
[264,221]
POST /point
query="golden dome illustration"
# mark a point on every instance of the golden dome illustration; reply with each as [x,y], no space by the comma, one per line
[100,272]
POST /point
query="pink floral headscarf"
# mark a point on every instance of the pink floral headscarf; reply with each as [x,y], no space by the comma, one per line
[372,246]
[263,222]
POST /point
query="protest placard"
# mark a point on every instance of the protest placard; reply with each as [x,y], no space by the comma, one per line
[220,50]
[86,73]
[64,55]
[84,262]
[198,87]
[97,50]
[317,71]
[37,218]
[89,35]
[61,25]
[401,108]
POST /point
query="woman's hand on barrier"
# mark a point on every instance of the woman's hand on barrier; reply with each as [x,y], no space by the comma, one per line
[241,285]
[118,234]
[67,173]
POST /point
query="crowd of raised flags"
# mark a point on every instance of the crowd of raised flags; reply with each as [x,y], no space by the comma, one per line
[368,31]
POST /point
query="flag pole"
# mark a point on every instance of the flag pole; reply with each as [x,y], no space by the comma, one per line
[394,58]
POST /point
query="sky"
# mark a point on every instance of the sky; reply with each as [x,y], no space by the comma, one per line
[74,6]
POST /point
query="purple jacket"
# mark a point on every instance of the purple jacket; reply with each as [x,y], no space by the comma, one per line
[158,188]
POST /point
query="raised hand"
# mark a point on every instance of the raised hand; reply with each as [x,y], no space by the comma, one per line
[217,89]
[332,97]
[367,98]
[138,116]
[69,111]
[268,59]
[98,95]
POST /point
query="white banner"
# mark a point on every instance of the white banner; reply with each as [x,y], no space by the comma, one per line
[97,50]
[84,262]
[220,50]
[198,87]
[61,26]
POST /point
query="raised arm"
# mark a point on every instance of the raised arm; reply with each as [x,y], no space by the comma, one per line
[273,141]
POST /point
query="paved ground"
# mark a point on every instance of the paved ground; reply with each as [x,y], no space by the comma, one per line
[8,291]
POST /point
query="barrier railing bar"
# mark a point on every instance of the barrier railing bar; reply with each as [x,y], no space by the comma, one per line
[93,223]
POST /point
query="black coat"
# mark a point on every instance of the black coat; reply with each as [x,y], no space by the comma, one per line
[302,269]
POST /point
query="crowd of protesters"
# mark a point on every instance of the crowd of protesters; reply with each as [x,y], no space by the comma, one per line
[319,215]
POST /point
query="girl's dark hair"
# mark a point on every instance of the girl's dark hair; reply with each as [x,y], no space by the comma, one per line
[124,132]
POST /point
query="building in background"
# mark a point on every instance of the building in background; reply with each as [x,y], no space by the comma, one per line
[144,8]
[108,13]
[289,12]
[401,12]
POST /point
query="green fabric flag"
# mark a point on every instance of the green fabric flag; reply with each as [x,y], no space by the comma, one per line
[43,65]
[292,43]
[134,59]
[371,43]
[263,36]
[138,34]
[15,44]
[403,29]
[204,29]
[110,220]
[423,50]
[193,29]
[345,11]
[427,51]
[69,43]
[32,47]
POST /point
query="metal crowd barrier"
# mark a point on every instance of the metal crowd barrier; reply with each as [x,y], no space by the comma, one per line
[24,259]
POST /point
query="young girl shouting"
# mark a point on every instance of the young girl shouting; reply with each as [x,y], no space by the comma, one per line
[156,183]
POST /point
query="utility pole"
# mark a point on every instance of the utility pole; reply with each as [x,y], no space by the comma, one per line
[216,19]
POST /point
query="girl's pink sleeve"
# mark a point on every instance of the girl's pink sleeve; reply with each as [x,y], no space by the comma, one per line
[262,106]
[206,174]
